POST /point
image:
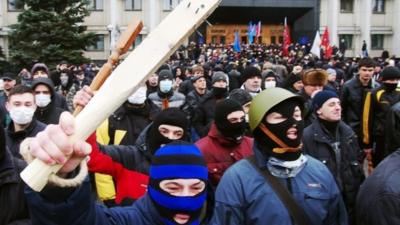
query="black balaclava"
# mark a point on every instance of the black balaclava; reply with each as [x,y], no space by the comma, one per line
[169,116]
[220,92]
[389,86]
[232,131]
[271,147]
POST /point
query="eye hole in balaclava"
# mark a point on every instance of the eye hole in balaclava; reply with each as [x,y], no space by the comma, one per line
[177,160]
[169,116]
[269,144]
[232,131]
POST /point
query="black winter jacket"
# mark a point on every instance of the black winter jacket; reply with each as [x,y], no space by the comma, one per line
[14,139]
[352,101]
[378,201]
[12,199]
[342,159]
[129,121]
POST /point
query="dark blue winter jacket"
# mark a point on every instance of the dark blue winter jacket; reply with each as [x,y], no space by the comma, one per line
[79,208]
[244,198]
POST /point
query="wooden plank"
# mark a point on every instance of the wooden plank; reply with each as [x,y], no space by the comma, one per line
[163,41]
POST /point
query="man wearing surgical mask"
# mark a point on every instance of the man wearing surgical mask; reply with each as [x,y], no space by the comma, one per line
[21,107]
[47,112]
[125,125]
[269,80]
[165,97]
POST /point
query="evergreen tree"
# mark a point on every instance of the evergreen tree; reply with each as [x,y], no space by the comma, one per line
[50,31]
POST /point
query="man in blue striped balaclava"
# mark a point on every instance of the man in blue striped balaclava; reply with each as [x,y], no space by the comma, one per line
[178,176]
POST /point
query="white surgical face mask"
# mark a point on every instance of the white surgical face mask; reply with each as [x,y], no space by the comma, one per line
[42,100]
[139,97]
[22,115]
[64,80]
[165,86]
[269,84]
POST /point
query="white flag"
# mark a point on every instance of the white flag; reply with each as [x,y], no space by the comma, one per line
[316,49]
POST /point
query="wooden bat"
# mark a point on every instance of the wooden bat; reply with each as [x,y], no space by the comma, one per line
[143,61]
[124,43]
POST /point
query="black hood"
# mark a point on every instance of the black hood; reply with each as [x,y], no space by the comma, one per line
[46,81]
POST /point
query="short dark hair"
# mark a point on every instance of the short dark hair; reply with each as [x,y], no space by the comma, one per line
[19,90]
[366,62]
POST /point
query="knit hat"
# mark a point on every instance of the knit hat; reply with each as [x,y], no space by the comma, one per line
[390,72]
[268,73]
[218,76]
[321,97]
[250,72]
[40,66]
[169,116]
[195,78]
[240,96]
[315,77]
[165,74]
[177,160]
[331,71]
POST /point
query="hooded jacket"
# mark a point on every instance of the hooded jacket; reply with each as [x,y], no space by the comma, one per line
[221,153]
[49,114]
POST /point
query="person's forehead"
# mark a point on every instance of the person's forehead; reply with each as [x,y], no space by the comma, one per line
[42,87]
[22,97]
[234,114]
[170,127]
[336,100]
[366,68]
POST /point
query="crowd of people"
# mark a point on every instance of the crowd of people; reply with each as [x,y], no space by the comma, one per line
[215,137]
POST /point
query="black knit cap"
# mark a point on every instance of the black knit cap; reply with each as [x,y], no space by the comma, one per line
[390,72]
[250,72]
[165,74]
[240,96]
[171,116]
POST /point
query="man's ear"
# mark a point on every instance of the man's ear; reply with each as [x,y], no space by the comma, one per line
[318,112]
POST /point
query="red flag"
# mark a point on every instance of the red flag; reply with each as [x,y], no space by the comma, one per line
[286,40]
[325,44]
[258,29]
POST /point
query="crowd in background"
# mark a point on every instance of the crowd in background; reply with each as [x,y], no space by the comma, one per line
[231,105]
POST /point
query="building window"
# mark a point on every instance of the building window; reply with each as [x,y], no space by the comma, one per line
[133,5]
[280,39]
[214,39]
[15,5]
[222,40]
[348,40]
[377,41]
[95,5]
[379,6]
[170,4]
[346,6]
[98,45]
[137,42]
[273,39]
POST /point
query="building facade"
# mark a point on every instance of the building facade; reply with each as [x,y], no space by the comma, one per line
[375,21]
